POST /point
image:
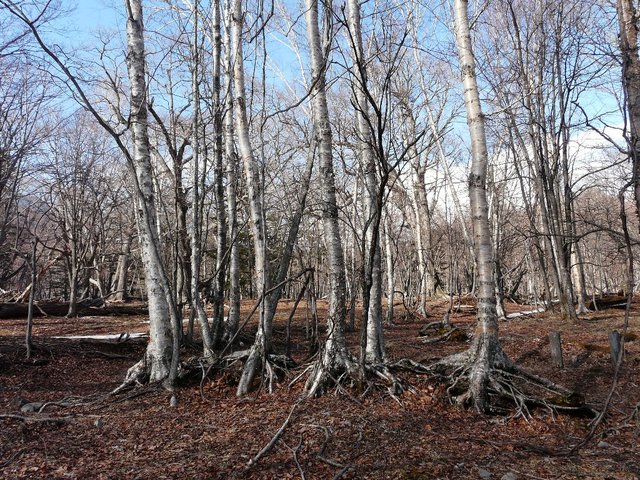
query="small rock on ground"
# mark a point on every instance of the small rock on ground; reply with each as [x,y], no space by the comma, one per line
[509,476]
[484,474]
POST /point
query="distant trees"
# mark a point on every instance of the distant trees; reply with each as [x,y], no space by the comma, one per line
[25,99]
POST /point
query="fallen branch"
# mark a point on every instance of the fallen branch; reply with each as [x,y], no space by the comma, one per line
[294,452]
[446,336]
[58,420]
[274,439]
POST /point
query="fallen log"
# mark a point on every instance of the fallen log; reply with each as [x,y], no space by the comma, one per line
[59,309]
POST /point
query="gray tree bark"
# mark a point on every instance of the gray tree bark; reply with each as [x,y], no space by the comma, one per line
[372,288]
[262,343]
[162,354]
[485,349]
[231,159]
[335,358]
[628,38]
[122,269]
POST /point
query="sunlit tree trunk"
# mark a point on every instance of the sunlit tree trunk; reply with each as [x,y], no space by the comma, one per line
[628,38]
[230,326]
[335,357]
[161,359]
[262,343]
[485,345]
[122,269]
[372,290]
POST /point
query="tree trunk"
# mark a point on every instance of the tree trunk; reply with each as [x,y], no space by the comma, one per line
[230,327]
[335,357]
[628,38]
[372,281]
[221,217]
[262,343]
[389,269]
[32,296]
[73,285]
[197,305]
[122,269]
[292,236]
[161,356]
[486,345]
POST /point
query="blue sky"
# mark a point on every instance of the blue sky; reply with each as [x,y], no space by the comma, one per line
[87,16]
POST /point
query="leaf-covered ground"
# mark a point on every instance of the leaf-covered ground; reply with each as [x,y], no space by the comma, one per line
[345,434]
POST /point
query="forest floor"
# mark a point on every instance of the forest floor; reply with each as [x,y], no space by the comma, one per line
[345,434]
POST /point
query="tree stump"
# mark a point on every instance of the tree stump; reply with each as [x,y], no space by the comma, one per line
[614,344]
[555,343]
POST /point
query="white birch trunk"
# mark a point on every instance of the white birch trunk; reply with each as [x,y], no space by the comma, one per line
[262,343]
[373,262]
[335,355]
[486,344]
[158,356]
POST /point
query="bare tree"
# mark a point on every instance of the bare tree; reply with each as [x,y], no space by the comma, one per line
[628,38]
[262,343]
[335,358]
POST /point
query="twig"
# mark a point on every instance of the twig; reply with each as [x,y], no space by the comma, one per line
[275,438]
[328,461]
[12,458]
[294,451]
[320,455]
[344,470]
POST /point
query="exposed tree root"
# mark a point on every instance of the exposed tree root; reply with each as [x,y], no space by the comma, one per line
[332,366]
[148,370]
[253,363]
[442,331]
[137,375]
[453,333]
[432,326]
[334,369]
[22,418]
[395,385]
[258,364]
[489,381]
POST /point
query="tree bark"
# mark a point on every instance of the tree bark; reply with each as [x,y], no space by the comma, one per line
[335,357]
[372,281]
[122,269]
[628,38]
[161,356]
[32,296]
[221,217]
[197,304]
[230,326]
[486,345]
[262,343]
